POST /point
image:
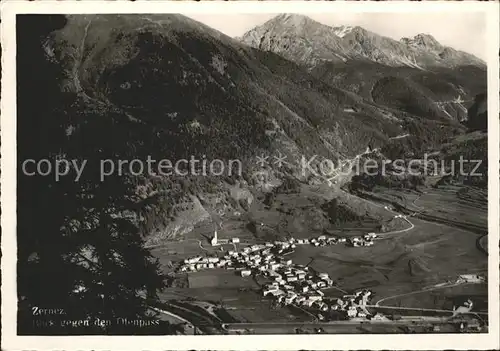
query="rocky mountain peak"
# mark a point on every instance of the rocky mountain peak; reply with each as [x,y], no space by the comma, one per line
[308,42]
[425,38]
[423,41]
[292,19]
[289,23]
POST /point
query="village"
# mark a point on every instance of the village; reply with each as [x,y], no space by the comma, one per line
[288,283]
[297,285]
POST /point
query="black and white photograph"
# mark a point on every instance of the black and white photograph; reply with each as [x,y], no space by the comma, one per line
[283,172]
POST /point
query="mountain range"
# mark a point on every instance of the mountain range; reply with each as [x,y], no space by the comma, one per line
[301,39]
[170,87]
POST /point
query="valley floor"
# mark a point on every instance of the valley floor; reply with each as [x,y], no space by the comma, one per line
[412,270]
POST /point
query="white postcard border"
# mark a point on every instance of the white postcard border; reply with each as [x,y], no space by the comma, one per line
[11,341]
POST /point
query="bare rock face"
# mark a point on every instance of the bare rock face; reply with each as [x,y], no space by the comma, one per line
[308,42]
[418,75]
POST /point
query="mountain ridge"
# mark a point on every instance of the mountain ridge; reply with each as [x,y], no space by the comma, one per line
[167,87]
[309,42]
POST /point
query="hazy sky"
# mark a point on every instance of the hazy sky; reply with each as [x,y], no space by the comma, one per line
[462,31]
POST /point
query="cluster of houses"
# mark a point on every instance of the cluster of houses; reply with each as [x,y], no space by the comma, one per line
[260,255]
[252,259]
[295,286]
[289,283]
[466,307]
[365,240]
[470,279]
[353,305]
[323,240]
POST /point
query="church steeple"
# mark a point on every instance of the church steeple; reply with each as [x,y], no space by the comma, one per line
[214,239]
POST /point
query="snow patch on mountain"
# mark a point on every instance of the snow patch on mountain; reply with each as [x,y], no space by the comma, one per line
[342,31]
